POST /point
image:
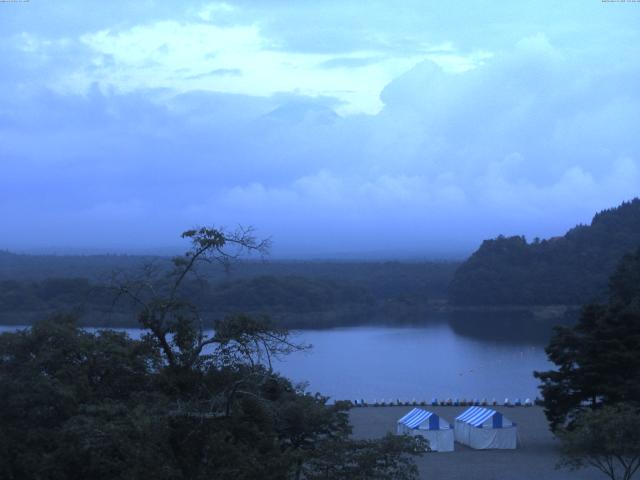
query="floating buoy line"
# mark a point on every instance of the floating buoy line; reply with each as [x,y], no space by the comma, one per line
[449,402]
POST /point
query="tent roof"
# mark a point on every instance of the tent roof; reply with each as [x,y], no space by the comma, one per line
[476,416]
[415,417]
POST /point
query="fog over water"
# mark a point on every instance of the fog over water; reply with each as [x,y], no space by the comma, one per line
[338,129]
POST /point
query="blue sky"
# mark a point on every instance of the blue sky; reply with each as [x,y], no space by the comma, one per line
[397,129]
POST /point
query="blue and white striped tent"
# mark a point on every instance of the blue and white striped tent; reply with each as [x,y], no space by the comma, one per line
[436,430]
[484,428]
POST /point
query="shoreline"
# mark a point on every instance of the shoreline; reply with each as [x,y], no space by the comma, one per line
[531,316]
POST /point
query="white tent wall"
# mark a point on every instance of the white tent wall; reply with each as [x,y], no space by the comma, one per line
[439,440]
[489,438]
[436,430]
[461,432]
[482,428]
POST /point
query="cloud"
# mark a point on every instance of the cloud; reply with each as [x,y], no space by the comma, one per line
[224,72]
[215,11]
[512,145]
[202,56]
[350,62]
[205,47]
[218,47]
[389,135]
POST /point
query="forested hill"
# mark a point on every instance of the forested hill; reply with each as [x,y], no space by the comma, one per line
[569,270]
[296,294]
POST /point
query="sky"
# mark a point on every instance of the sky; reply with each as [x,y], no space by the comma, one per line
[339,129]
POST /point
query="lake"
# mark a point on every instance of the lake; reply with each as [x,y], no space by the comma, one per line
[389,363]
[421,363]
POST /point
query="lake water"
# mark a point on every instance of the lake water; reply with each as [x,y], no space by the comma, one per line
[384,363]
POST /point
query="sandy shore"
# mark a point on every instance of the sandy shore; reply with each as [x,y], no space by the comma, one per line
[535,458]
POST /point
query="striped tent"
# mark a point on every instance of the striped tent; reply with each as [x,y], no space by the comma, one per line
[436,430]
[484,428]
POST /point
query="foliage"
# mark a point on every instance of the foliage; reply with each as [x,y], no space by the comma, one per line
[592,400]
[176,404]
[367,459]
[607,438]
[65,391]
[568,270]
[598,360]
[294,294]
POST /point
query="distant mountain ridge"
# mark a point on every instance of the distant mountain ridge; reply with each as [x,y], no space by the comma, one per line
[568,270]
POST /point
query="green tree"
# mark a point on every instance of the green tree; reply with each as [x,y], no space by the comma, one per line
[173,322]
[569,270]
[598,360]
[176,404]
[381,459]
[72,403]
[607,439]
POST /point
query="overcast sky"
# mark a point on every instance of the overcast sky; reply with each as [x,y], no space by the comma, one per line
[364,128]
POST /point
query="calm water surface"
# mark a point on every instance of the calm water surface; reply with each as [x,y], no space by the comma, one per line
[407,363]
[379,363]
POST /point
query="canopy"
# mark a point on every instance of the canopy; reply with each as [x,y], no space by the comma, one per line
[478,416]
[484,428]
[423,419]
[437,431]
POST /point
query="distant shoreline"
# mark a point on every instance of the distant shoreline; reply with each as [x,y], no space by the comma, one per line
[537,311]
[462,318]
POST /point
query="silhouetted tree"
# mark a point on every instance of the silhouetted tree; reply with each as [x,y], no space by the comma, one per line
[598,360]
[607,439]
[176,404]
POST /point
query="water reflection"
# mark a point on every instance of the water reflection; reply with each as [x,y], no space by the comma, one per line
[518,327]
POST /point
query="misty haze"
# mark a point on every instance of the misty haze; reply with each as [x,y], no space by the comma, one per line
[319,240]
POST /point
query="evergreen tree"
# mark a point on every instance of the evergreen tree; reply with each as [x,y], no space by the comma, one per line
[598,360]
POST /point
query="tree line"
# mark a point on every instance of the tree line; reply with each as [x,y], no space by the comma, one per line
[327,295]
[569,270]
